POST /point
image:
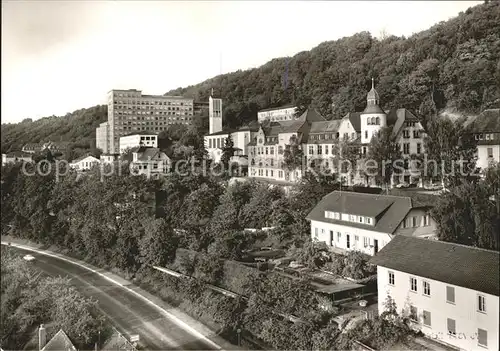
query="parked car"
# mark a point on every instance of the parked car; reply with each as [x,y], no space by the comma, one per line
[29,258]
[402,185]
[433,187]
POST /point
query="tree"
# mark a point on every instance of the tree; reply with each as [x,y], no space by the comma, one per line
[386,152]
[293,154]
[466,215]
[227,152]
[449,151]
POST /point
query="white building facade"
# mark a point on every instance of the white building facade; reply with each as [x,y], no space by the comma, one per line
[285,113]
[131,111]
[450,292]
[137,140]
[84,163]
[350,221]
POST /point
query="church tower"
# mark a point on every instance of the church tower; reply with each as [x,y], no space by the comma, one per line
[214,114]
[373,118]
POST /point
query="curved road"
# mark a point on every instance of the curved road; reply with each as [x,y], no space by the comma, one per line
[129,313]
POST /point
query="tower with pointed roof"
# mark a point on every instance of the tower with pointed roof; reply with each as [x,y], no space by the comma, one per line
[373,118]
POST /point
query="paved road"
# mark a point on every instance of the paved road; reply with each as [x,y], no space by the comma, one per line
[129,313]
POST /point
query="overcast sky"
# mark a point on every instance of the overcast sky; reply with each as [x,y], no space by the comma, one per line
[59,56]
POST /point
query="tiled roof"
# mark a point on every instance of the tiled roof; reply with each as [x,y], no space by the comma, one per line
[275,128]
[311,115]
[418,199]
[277,108]
[487,121]
[355,119]
[389,211]
[325,126]
[222,132]
[459,265]
[18,154]
[150,153]
[373,109]
[60,342]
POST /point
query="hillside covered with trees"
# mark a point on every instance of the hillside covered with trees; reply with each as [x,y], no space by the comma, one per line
[455,65]
[77,127]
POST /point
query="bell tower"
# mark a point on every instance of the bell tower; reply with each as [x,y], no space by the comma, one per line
[214,114]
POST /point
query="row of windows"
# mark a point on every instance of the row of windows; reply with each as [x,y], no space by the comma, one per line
[271,173]
[406,134]
[156,122]
[329,136]
[367,241]
[451,325]
[348,217]
[216,143]
[415,221]
[484,136]
[373,121]
[149,128]
[268,150]
[134,114]
[426,291]
[153,103]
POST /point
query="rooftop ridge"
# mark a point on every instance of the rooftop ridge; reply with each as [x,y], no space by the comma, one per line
[459,245]
[373,195]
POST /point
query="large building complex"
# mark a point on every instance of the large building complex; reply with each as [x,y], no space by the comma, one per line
[349,221]
[131,111]
[320,139]
[449,291]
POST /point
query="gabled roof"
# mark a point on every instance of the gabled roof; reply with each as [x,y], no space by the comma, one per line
[325,126]
[311,115]
[18,154]
[355,119]
[388,211]
[396,118]
[487,121]
[149,153]
[459,265]
[59,342]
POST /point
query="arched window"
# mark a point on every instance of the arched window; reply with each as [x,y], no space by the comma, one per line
[377,121]
[369,121]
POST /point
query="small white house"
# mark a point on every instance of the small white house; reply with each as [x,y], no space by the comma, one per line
[349,221]
[449,291]
[84,163]
[131,141]
[17,156]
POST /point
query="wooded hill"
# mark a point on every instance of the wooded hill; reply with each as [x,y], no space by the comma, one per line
[455,65]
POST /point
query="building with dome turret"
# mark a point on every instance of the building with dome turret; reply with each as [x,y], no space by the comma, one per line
[320,140]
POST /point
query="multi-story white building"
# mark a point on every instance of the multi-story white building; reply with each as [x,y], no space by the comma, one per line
[449,291]
[149,161]
[319,139]
[131,111]
[146,139]
[276,114]
[350,221]
[486,129]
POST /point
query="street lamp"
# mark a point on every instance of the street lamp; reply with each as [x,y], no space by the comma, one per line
[239,336]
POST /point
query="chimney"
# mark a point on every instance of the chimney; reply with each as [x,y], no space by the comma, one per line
[42,337]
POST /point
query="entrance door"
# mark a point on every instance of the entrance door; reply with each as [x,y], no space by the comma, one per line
[331,238]
[348,241]
[375,245]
